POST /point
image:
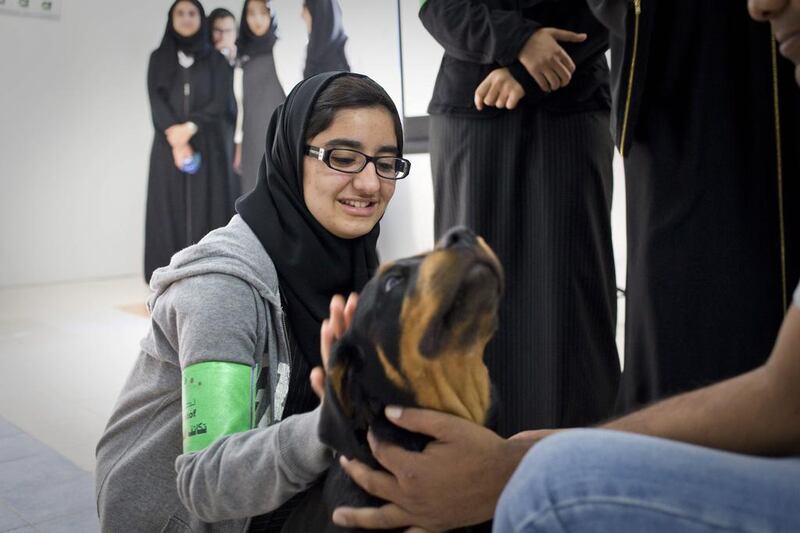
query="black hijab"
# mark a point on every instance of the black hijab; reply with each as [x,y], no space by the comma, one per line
[312,263]
[249,44]
[197,45]
[325,51]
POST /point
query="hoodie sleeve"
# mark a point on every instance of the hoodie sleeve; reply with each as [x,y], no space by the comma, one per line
[250,472]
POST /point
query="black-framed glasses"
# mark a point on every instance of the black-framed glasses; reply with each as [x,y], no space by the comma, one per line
[353,162]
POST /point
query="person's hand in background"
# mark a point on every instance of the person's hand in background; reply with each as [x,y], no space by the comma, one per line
[546,61]
[499,89]
[181,153]
[180,134]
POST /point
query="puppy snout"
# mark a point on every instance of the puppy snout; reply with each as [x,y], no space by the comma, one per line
[458,236]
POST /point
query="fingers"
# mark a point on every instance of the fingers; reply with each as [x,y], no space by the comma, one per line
[395,459]
[568,36]
[552,80]
[350,309]
[541,81]
[502,98]
[387,517]
[514,97]
[317,379]
[436,424]
[325,341]
[374,482]
[564,58]
[336,318]
[563,74]
[480,93]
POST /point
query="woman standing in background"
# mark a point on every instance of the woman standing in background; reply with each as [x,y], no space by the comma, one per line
[223,37]
[326,37]
[189,88]
[262,91]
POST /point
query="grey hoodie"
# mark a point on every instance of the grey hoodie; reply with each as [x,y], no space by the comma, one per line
[216,301]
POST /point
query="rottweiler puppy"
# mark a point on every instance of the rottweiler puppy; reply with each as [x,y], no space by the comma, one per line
[417,339]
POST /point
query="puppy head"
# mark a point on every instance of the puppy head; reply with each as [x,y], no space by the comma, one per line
[419,333]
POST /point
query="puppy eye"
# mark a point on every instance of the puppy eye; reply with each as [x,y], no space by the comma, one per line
[391,282]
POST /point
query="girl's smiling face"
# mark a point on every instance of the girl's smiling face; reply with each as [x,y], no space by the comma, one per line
[350,205]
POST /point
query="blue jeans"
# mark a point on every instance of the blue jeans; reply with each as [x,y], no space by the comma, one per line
[607,482]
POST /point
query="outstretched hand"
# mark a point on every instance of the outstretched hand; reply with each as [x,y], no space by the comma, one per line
[341,315]
[455,481]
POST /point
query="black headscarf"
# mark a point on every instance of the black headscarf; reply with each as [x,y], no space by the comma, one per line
[325,51]
[249,44]
[197,45]
[312,263]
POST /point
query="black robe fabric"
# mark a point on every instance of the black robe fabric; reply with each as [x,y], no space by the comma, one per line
[713,231]
[536,183]
[325,50]
[182,208]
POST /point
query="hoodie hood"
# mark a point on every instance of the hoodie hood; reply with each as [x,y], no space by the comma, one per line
[233,250]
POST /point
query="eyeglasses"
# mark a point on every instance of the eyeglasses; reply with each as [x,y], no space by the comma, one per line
[353,162]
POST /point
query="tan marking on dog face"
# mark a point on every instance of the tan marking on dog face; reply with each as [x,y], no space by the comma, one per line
[454,380]
[488,251]
[384,267]
[391,372]
[336,378]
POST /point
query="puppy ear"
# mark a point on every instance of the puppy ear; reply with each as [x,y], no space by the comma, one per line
[344,354]
[336,417]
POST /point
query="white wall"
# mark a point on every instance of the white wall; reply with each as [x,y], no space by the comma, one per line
[75,136]
[75,128]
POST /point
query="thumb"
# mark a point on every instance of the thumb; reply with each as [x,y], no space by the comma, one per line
[438,425]
[568,36]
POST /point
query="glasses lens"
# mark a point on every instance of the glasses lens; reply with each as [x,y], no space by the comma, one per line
[392,167]
[346,160]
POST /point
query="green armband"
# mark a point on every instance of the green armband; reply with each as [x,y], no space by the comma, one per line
[218,399]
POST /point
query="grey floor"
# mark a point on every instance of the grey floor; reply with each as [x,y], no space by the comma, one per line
[41,490]
[65,350]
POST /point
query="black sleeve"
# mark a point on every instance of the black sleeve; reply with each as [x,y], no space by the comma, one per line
[596,42]
[471,31]
[163,117]
[529,85]
[222,86]
[611,13]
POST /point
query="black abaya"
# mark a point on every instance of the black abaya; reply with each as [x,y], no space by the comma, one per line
[536,183]
[182,208]
[712,257]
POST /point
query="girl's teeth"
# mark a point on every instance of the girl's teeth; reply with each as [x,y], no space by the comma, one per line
[356,204]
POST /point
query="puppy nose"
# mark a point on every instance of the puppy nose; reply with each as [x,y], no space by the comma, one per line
[458,236]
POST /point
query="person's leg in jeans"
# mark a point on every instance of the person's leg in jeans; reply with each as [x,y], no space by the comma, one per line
[607,481]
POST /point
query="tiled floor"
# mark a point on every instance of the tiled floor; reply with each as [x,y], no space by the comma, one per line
[65,351]
[40,490]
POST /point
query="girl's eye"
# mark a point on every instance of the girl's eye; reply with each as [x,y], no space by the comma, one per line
[390,283]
